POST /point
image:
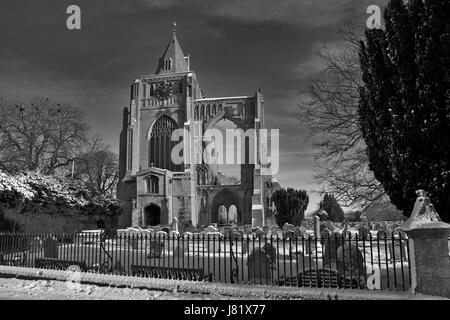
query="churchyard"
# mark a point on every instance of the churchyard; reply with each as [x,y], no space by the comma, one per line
[331,255]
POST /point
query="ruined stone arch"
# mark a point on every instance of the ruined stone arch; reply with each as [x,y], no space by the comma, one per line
[227,198]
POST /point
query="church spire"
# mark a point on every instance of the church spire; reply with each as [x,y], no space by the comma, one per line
[173,59]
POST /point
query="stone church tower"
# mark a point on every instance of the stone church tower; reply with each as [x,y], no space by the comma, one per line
[153,189]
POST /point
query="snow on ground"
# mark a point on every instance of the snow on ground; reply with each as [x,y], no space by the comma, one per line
[20,289]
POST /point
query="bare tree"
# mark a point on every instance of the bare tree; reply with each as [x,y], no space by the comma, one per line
[39,135]
[330,111]
[98,167]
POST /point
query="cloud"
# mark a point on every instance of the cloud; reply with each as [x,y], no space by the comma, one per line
[311,13]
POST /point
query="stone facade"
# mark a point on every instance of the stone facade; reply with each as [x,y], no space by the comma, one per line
[153,189]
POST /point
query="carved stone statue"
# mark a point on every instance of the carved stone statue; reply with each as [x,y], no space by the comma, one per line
[423,213]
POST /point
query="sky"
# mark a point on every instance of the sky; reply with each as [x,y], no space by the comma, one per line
[236,47]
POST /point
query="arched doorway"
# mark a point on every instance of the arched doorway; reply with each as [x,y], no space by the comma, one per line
[152,215]
[226,208]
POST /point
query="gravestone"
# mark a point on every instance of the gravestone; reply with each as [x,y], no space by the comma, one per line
[175,224]
[350,262]
[363,232]
[50,248]
[161,234]
[297,232]
[397,250]
[382,233]
[226,231]
[188,235]
[132,237]
[155,248]
[401,234]
[260,264]
[214,241]
[330,245]
[326,224]
[36,244]
[259,233]
[210,229]
[288,230]
[236,235]
[174,234]
[316,220]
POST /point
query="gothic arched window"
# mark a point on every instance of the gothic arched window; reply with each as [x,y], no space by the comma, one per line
[130,150]
[202,112]
[153,184]
[180,87]
[160,144]
[196,113]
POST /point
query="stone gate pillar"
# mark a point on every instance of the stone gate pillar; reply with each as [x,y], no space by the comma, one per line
[428,249]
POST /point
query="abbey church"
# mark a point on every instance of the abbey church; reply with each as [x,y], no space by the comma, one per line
[153,189]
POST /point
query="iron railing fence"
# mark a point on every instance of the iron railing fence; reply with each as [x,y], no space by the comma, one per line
[334,262]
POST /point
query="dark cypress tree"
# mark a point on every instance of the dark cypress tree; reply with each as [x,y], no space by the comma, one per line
[404,106]
[332,208]
[291,205]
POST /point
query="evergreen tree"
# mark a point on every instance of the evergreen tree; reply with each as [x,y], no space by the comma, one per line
[330,205]
[291,205]
[404,108]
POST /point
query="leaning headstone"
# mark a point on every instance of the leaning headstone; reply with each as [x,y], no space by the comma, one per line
[51,248]
[260,261]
